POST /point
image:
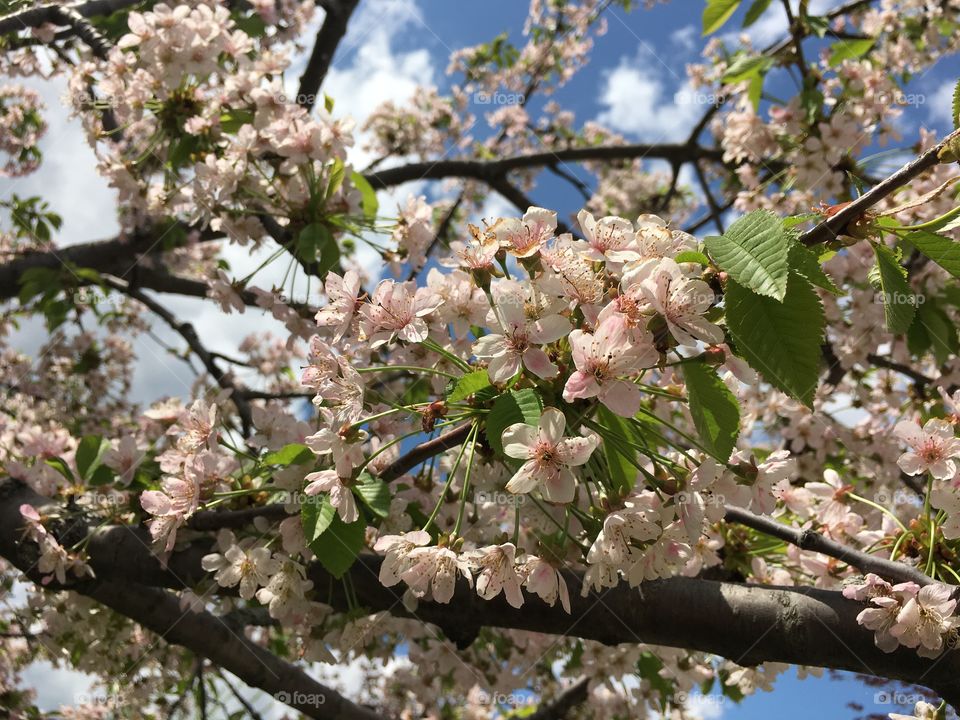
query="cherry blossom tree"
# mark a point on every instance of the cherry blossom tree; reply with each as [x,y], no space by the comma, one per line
[570,462]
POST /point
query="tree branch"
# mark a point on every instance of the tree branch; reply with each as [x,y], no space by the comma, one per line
[331,32]
[836,225]
[814,541]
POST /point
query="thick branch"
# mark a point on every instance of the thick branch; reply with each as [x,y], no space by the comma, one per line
[749,624]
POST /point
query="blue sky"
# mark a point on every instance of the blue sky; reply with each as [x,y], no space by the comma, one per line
[630,83]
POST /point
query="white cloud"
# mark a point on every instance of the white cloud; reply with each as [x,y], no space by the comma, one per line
[686,37]
[67,178]
[638,103]
[941,104]
[706,707]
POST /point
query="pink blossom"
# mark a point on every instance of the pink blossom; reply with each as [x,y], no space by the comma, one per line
[548,455]
[397,310]
[681,301]
[546,581]
[609,239]
[497,573]
[924,619]
[433,571]
[398,549]
[932,448]
[340,495]
[525,237]
[602,360]
[520,335]
[342,303]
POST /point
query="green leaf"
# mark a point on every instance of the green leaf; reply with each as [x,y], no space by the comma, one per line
[101,476]
[316,244]
[716,13]
[754,251]
[940,333]
[620,456]
[745,67]
[369,201]
[849,50]
[755,11]
[89,451]
[779,340]
[60,465]
[942,250]
[374,493]
[469,384]
[820,26]
[714,408]
[692,256]
[755,91]
[806,264]
[516,406]
[956,105]
[316,514]
[292,454]
[338,546]
[899,302]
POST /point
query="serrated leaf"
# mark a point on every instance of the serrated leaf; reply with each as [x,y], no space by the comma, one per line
[942,250]
[754,252]
[89,451]
[849,50]
[316,514]
[468,385]
[374,493]
[338,546]
[755,11]
[292,454]
[716,13]
[516,406]
[899,302]
[780,340]
[806,264]
[714,408]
